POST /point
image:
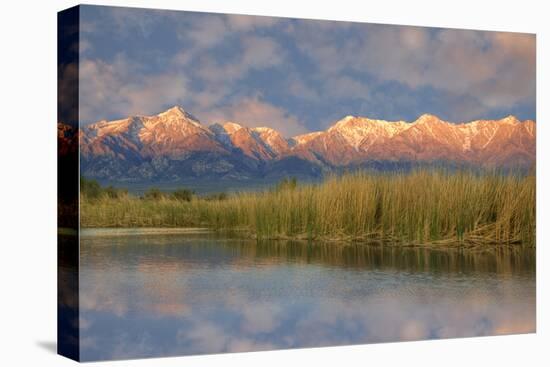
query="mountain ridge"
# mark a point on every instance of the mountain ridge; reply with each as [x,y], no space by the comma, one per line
[174,145]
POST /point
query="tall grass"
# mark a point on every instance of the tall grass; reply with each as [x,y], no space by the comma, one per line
[412,208]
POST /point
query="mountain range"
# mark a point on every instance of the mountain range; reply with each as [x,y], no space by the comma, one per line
[174,145]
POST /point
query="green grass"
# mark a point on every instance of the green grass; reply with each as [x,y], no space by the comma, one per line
[412,208]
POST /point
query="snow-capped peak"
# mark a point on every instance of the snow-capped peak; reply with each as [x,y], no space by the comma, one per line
[178,112]
[264,129]
[304,138]
[356,130]
[231,127]
[344,122]
[510,119]
[427,118]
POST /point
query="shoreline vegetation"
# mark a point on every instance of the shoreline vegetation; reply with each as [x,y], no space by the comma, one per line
[416,208]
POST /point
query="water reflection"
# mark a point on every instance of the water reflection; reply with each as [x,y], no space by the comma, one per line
[188,294]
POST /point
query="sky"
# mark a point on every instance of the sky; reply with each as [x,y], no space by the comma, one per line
[296,75]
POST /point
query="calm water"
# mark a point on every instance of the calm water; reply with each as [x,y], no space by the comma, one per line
[192,293]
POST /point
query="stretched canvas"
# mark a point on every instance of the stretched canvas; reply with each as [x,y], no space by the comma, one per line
[233,183]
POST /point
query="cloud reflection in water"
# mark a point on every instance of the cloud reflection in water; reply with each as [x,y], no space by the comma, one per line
[174,295]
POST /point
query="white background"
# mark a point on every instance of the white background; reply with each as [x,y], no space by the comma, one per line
[28,182]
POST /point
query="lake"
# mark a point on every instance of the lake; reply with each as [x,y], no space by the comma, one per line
[149,293]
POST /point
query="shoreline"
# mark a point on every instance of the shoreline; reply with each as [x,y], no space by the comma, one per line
[139,231]
[470,243]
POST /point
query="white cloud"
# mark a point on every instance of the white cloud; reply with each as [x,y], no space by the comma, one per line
[255,53]
[206,32]
[346,87]
[497,68]
[298,88]
[261,52]
[121,88]
[221,78]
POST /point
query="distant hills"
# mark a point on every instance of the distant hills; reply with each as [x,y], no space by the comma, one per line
[174,145]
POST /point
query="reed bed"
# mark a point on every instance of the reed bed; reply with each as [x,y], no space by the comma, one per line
[422,207]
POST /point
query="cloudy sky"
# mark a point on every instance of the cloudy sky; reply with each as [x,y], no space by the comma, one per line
[296,75]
